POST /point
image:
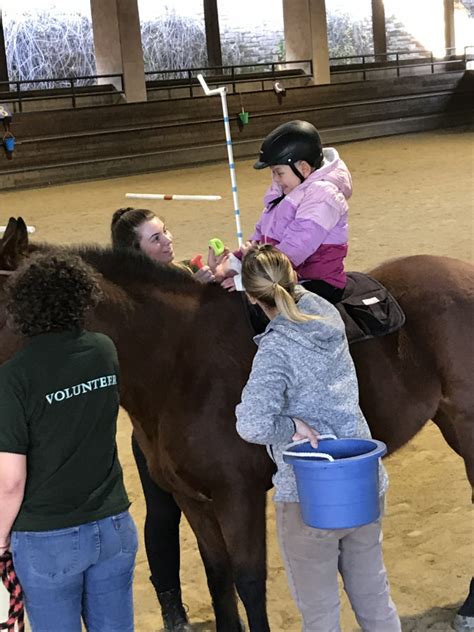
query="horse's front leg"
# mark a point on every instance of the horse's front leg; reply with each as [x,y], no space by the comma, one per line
[214,554]
[241,515]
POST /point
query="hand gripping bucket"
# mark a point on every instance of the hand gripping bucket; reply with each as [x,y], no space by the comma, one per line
[338,482]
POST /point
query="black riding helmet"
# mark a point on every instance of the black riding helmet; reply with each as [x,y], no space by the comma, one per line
[290,142]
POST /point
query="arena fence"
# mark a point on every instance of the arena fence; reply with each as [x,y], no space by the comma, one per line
[74,88]
[400,62]
[183,82]
[232,76]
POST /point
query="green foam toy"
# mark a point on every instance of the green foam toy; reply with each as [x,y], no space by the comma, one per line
[217,245]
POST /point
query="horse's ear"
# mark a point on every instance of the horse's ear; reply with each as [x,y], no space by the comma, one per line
[22,235]
[9,230]
[14,244]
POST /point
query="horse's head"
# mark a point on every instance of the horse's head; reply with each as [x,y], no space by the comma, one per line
[13,245]
[13,249]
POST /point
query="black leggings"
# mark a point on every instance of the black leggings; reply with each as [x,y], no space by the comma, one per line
[326,290]
[259,320]
[161,528]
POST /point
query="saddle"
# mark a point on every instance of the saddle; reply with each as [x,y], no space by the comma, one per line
[367,309]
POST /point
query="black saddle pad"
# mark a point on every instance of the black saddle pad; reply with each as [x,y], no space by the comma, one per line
[368,309]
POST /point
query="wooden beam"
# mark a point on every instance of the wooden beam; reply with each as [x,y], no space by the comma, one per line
[213,36]
[378,29]
[3,55]
[319,41]
[449,35]
[118,46]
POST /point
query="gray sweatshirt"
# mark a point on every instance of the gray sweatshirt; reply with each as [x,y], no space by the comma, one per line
[301,370]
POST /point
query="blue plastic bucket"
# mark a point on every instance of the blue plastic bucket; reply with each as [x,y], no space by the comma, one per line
[9,143]
[338,482]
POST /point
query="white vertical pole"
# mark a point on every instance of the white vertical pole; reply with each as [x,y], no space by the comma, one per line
[230,154]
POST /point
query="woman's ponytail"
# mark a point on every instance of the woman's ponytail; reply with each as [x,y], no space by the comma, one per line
[268,276]
[286,305]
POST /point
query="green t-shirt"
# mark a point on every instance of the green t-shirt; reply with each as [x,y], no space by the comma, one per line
[59,401]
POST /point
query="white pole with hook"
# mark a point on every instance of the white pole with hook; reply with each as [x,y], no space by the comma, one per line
[222,91]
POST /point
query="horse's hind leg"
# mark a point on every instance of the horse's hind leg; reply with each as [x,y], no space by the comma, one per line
[455,419]
[216,562]
[442,419]
[454,357]
[241,515]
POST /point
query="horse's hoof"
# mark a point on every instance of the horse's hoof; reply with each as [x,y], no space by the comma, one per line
[463,624]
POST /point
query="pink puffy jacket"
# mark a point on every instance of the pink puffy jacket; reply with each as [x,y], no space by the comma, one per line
[310,223]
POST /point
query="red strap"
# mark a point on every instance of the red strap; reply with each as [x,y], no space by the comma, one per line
[16,611]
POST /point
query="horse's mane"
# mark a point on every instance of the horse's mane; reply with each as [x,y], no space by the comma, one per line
[125,266]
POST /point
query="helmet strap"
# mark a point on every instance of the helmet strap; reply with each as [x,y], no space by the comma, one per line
[274,202]
[296,171]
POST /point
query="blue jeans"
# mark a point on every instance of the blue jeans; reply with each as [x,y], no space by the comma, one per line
[81,571]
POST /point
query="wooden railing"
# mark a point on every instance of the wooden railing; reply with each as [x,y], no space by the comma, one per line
[257,73]
[352,66]
[71,87]
[398,61]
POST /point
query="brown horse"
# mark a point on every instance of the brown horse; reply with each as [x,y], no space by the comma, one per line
[185,352]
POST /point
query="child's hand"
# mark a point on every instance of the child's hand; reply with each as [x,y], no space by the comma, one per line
[214,262]
[204,275]
[244,248]
[304,431]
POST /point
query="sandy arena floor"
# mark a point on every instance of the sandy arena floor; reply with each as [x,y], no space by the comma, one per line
[413,194]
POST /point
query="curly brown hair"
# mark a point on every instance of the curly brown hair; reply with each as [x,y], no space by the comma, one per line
[51,293]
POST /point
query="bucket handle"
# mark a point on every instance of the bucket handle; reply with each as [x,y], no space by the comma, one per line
[313,455]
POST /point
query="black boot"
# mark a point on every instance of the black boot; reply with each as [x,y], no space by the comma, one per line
[172,610]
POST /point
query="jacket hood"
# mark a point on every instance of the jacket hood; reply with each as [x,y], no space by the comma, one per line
[312,334]
[334,170]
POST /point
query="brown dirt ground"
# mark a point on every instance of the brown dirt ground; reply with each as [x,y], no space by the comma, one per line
[413,194]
